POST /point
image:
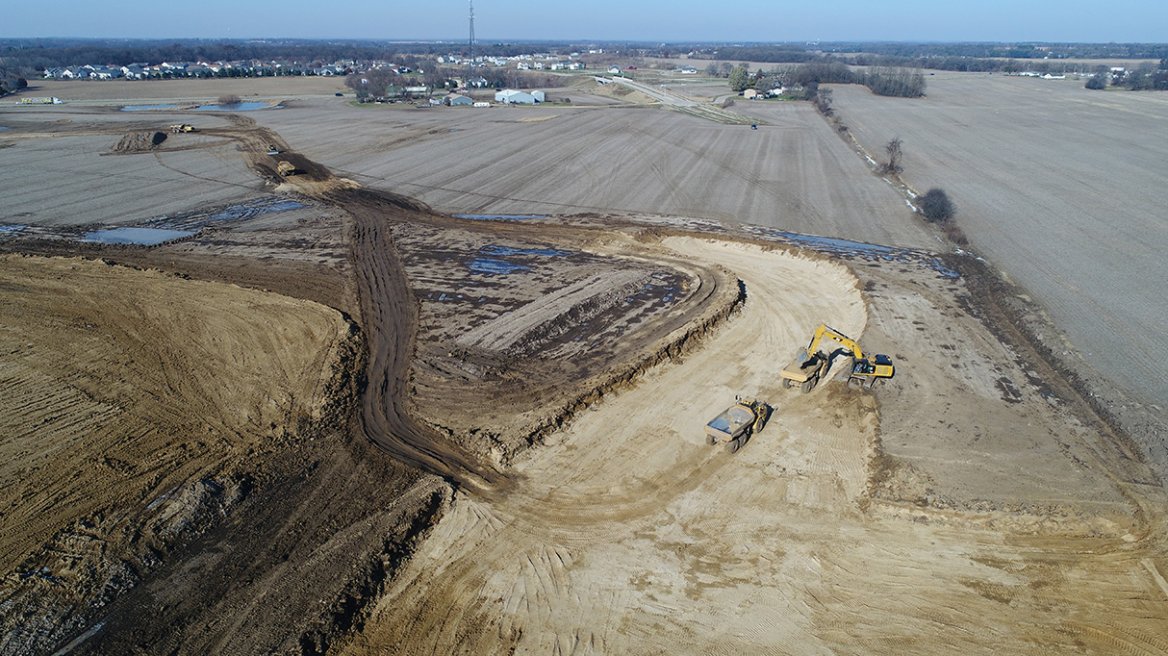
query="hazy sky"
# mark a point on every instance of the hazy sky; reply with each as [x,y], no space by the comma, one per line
[644,20]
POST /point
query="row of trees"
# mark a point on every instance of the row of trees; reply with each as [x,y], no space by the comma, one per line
[378,82]
[10,79]
[1144,78]
[883,81]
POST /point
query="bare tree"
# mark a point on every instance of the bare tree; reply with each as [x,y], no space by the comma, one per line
[893,165]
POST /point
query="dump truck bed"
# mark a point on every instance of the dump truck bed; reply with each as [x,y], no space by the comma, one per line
[803,367]
[730,423]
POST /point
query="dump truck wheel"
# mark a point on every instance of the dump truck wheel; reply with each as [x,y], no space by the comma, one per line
[807,385]
[732,445]
[710,439]
[786,383]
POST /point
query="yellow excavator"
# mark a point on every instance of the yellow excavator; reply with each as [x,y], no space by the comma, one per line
[811,363]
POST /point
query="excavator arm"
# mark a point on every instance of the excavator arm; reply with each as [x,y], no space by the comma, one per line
[849,344]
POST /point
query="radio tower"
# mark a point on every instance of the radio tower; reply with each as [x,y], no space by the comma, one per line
[470,56]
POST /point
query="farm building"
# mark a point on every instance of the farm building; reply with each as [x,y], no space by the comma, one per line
[513,97]
[458,100]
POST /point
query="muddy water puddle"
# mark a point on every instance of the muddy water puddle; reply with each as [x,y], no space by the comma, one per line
[136,236]
[148,108]
[249,106]
[500,217]
[494,267]
[498,260]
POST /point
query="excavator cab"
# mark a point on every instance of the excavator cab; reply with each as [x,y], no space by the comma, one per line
[866,372]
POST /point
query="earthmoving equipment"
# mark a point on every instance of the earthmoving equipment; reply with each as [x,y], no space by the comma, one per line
[811,363]
[286,169]
[182,127]
[735,426]
[273,151]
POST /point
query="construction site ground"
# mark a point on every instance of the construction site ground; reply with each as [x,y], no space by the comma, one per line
[353,424]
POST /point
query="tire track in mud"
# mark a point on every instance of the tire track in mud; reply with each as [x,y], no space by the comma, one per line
[390,314]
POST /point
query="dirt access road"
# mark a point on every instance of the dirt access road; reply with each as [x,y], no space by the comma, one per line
[627,527]
[390,319]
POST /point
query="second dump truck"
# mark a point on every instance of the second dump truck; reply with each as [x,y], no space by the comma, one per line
[737,423]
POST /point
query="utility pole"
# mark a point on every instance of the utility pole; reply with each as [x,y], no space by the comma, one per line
[470,56]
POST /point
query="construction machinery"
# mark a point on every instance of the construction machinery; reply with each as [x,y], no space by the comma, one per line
[737,423]
[178,128]
[810,364]
[286,168]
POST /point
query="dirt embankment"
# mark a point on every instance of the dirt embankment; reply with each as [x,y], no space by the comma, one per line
[139,409]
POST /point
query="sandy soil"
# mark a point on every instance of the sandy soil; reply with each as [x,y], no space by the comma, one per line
[628,527]
[1060,188]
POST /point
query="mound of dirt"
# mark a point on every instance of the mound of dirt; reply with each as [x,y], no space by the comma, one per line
[140,141]
[136,407]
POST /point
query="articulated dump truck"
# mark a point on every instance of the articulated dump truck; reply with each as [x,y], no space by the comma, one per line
[737,423]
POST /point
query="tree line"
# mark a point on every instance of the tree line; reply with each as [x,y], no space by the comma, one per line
[1143,78]
[884,81]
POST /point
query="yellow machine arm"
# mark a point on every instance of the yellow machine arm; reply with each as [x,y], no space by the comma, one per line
[843,340]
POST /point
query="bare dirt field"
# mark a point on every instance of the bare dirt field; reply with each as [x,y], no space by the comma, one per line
[793,173]
[199,90]
[334,420]
[61,169]
[1060,188]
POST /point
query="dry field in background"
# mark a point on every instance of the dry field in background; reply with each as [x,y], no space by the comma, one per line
[1059,187]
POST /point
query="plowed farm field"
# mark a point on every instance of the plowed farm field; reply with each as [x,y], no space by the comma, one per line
[1059,187]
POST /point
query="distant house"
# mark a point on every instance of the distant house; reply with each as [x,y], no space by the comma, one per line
[750,94]
[614,69]
[458,100]
[513,97]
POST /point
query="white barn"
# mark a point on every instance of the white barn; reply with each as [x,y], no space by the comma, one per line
[513,97]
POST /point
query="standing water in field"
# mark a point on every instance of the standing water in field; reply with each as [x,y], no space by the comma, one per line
[137,236]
